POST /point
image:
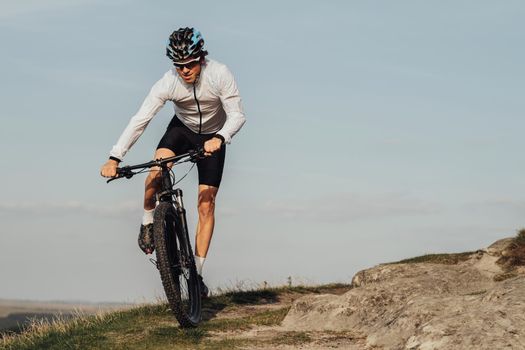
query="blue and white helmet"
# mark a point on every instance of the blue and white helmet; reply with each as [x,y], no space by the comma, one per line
[185,44]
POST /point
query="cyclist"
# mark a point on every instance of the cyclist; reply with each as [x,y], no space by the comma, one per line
[208,113]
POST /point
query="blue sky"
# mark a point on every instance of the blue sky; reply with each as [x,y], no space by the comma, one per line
[376,131]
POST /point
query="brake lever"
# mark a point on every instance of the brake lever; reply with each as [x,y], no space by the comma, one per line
[113,178]
[197,154]
[122,172]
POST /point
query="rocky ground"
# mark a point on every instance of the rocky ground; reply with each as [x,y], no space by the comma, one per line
[468,303]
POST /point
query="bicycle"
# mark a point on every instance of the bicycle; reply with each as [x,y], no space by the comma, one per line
[175,260]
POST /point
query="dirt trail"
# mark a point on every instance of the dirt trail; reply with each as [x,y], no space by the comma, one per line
[277,337]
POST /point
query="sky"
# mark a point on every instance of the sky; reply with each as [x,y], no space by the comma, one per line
[376,131]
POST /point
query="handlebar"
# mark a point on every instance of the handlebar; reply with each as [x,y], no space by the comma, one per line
[128,173]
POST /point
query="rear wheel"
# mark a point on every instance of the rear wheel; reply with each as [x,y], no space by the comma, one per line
[176,265]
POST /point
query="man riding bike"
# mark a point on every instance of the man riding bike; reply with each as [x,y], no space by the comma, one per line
[208,113]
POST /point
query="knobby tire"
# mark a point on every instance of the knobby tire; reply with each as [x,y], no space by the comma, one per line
[176,266]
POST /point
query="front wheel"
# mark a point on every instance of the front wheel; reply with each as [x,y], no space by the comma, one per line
[176,265]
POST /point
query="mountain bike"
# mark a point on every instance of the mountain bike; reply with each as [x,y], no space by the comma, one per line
[175,260]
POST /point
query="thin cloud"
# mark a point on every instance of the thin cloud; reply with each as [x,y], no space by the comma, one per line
[508,205]
[82,78]
[55,208]
[347,207]
[78,207]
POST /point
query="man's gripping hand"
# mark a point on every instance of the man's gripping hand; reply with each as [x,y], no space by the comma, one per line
[212,145]
[109,169]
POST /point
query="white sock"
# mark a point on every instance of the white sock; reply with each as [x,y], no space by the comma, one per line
[148,217]
[199,262]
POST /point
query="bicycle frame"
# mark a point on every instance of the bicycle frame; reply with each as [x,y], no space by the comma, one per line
[166,193]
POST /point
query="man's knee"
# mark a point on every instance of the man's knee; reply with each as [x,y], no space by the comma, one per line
[206,209]
[154,174]
[153,178]
[206,203]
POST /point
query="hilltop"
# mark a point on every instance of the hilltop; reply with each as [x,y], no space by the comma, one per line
[471,300]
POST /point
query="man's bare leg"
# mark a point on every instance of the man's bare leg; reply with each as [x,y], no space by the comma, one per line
[152,185]
[206,207]
[153,178]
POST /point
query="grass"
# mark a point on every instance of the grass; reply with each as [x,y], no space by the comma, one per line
[514,255]
[293,338]
[512,258]
[446,259]
[263,318]
[520,236]
[504,276]
[154,327]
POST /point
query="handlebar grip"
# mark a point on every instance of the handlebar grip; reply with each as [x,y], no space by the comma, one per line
[197,154]
[122,172]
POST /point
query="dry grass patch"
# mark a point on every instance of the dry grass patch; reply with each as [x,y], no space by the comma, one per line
[512,258]
[514,255]
[446,259]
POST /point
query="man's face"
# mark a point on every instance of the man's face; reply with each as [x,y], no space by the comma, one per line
[189,72]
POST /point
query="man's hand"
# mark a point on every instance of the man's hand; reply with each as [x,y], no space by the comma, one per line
[212,145]
[109,169]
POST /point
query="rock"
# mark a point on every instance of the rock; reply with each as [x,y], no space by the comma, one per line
[500,247]
[424,306]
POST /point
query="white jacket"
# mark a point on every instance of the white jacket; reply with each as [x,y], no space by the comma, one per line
[215,93]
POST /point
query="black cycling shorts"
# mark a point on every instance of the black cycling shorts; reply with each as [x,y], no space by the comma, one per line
[180,139]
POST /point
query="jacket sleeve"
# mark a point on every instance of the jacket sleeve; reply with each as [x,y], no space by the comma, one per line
[231,103]
[155,100]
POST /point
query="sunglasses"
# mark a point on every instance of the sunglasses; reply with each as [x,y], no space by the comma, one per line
[188,65]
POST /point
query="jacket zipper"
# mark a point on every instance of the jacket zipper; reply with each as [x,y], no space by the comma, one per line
[198,108]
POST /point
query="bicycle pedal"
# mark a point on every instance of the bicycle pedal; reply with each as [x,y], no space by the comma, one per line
[154,262]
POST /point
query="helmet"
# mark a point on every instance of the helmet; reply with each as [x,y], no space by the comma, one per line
[185,44]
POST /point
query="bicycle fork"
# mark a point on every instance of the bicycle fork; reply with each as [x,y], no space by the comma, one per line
[182,216]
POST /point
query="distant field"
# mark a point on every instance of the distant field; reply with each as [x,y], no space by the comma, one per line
[16,313]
